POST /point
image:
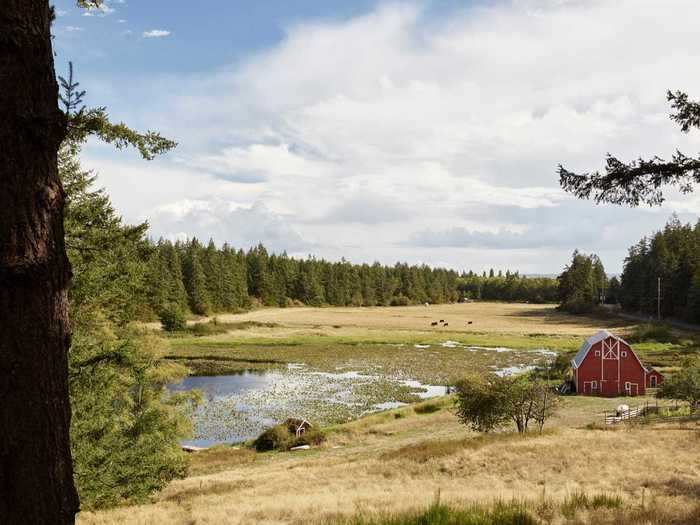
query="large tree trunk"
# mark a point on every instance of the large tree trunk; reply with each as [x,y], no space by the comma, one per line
[36,475]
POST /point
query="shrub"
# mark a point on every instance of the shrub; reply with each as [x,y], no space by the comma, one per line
[480,405]
[485,403]
[210,328]
[274,438]
[661,333]
[684,385]
[280,437]
[400,300]
[172,318]
[310,437]
[427,408]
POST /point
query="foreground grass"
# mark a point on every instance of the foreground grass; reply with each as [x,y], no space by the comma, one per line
[390,465]
[438,514]
[579,508]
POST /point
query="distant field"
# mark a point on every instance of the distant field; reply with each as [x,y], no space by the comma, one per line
[487,318]
[328,335]
[397,341]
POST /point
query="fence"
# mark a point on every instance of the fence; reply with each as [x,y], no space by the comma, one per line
[619,416]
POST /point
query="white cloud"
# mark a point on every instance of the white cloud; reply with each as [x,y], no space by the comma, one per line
[402,135]
[101,10]
[226,221]
[73,29]
[156,33]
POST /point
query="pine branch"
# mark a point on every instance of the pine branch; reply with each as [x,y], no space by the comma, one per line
[96,122]
[83,123]
[641,181]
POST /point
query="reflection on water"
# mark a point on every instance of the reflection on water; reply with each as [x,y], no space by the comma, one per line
[217,386]
[239,407]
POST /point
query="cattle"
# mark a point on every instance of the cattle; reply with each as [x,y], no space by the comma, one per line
[446,324]
[470,322]
[434,323]
[442,320]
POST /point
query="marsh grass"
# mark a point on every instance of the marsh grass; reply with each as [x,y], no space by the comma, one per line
[372,338]
[216,327]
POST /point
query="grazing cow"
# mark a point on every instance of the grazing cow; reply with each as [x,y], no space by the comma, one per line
[470,322]
[442,320]
[446,324]
[434,323]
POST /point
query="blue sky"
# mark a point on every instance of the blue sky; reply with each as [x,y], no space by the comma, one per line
[201,38]
[420,131]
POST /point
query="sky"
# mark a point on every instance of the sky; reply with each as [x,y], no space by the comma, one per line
[426,132]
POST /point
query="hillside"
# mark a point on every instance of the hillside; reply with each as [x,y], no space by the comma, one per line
[401,459]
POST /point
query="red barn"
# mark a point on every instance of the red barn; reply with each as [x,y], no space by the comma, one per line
[606,365]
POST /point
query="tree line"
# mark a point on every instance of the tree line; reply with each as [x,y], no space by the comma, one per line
[203,279]
[664,265]
[673,256]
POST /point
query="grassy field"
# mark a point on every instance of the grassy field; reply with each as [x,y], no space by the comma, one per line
[392,465]
[327,338]
[400,460]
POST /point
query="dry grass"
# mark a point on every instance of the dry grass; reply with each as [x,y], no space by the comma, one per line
[398,460]
[491,318]
[384,463]
[487,318]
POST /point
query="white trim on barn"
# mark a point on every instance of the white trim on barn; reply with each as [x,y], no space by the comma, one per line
[597,338]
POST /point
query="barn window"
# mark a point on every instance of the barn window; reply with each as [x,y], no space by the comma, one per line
[624,354]
[594,384]
[597,353]
[628,385]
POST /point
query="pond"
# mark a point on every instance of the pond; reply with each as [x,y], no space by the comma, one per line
[239,407]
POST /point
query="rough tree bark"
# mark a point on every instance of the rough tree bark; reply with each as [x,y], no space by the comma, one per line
[36,475]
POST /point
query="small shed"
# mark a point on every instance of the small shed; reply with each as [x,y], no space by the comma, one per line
[297,426]
[654,377]
[606,365]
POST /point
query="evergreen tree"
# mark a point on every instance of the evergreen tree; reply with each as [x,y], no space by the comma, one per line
[195,279]
[581,283]
[125,429]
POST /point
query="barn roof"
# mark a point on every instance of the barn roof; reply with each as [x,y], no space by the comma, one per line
[588,344]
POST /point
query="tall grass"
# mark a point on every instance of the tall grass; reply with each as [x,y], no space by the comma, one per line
[577,509]
[440,514]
